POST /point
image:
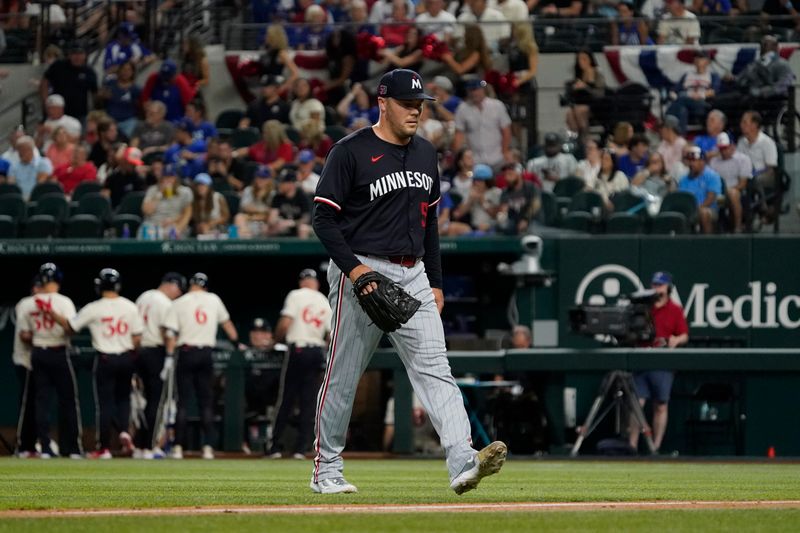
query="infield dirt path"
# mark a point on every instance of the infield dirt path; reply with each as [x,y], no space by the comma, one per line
[421,508]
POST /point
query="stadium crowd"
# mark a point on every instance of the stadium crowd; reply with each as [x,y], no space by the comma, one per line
[140,155]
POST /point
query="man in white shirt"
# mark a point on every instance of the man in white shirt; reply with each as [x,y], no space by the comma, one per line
[54,107]
[436,21]
[736,170]
[191,326]
[678,25]
[554,165]
[306,176]
[153,306]
[304,325]
[759,147]
[480,12]
[116,329]
[483,125]
[513,10]
[50,364]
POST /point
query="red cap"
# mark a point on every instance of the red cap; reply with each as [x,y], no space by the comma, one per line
[133,156]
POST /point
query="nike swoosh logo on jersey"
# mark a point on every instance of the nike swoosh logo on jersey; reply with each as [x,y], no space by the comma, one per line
[377,158]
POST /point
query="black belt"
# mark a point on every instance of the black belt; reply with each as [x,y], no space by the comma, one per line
[190,347]
[407,261]
[51,348]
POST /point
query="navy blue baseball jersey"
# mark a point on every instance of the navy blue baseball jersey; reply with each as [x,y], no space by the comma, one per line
[379,198]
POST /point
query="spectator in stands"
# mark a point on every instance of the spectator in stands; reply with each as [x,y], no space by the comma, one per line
[55,13]
[705,184]
[655,179]
[519,202]
[304,105]
[461,180]
[187,154]
[636,159]
[73,79]
[30,169]
[678,25]
[589,167]
[210,212]
[620,138]
[154,133]
[122,97]
[276,58]
[54,107]
[79,169]
[290,213]
[513,10]
[523,56]
[762,151]
[629,29]
[381,11]
[480,206]
[90,129]
[314,138]
[777,12]
[478,11]
[341,52]
[126,175]
[60,149]
[168,205]
[357,104]
[170,87]
[554,164]
[430,128]
[11,155]
[314,34]
[473,57]
[671,145]
[126,48]
[194,63]
[436,21]
[693,92]
[395,28]
[269,106]
[736,170]
[446,103]
[107,137]
[715,125]
[585,92]
[306,176]
[711,7]
[51,54]
[231,169]
[196,117]
[274,150]
[408,55]
[444,209]
[483,124]
[254,208]
[610,180]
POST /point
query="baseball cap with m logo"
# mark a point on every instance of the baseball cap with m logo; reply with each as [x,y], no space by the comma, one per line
[402,84]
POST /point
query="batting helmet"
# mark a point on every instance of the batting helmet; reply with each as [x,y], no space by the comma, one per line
[108,280]
[49,272]
[176,278]
[199,279]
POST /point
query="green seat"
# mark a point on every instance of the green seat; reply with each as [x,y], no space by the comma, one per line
[669,223]
[40,227]
[242,138]
[228,120]
[588,202]
[624,222]
[568,187]
[249,172]
[85,187]
[549,212]
[10,188]
[293,134]
[83,226]
[48,187]
[233,199]
[681,202]
[578,221]
[8,227]
[131,204]
[13,205]
[120,221]
[626,201]
[53,204]
[95,204]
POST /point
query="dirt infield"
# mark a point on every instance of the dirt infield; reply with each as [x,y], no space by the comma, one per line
[422,508]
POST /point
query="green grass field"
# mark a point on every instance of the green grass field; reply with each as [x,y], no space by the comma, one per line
[126,484]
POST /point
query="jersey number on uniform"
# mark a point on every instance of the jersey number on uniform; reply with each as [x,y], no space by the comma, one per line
[423,208]
[200,316]
[310,318]
[120,327]
[42,321]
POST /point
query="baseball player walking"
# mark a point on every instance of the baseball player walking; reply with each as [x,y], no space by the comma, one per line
[304,326]
[52,369]
[376,216]
[153,306]
[116,331]
[21,357]
[191,325]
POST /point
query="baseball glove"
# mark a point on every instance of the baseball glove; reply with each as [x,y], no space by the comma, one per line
[389,306]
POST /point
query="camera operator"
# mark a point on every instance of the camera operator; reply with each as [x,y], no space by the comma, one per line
[671,331]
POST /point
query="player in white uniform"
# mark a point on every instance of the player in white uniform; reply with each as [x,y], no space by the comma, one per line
[116,330]
[21,357]
[191,326]
[51,366]
[304,325]
[153,306]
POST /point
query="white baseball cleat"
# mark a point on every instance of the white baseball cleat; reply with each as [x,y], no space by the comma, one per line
[334,485]
[177,452]
[488,461]
[275,455]
[298,456]
[208,452]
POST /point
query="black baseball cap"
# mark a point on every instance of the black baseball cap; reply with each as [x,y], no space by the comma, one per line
[176,278]
[402,84]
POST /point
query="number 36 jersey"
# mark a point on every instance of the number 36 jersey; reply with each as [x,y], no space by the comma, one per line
[32,316]
[112,322]
[195,317]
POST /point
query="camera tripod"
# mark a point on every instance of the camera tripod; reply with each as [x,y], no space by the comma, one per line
[618,387]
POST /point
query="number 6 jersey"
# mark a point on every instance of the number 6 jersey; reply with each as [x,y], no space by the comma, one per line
[112,323]
[195,317]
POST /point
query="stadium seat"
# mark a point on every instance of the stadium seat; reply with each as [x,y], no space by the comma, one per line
[13,205]
[242,138]
[568,187]
[589,202]
[578,221]
[669,223]
[8,227]
[40,227]
[48,187]
[83,226]
[227,121]
[249,171]
[335,132]
[95,204]
[131,204]
[9,188]
[53,204]
[221,185]
[549,211]
[626,201]
[624,223]
[85,187]
[293,134]
[681,202]
[120,221]
[232,197]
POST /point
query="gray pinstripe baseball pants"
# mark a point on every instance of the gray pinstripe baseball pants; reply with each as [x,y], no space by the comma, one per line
[420,344]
